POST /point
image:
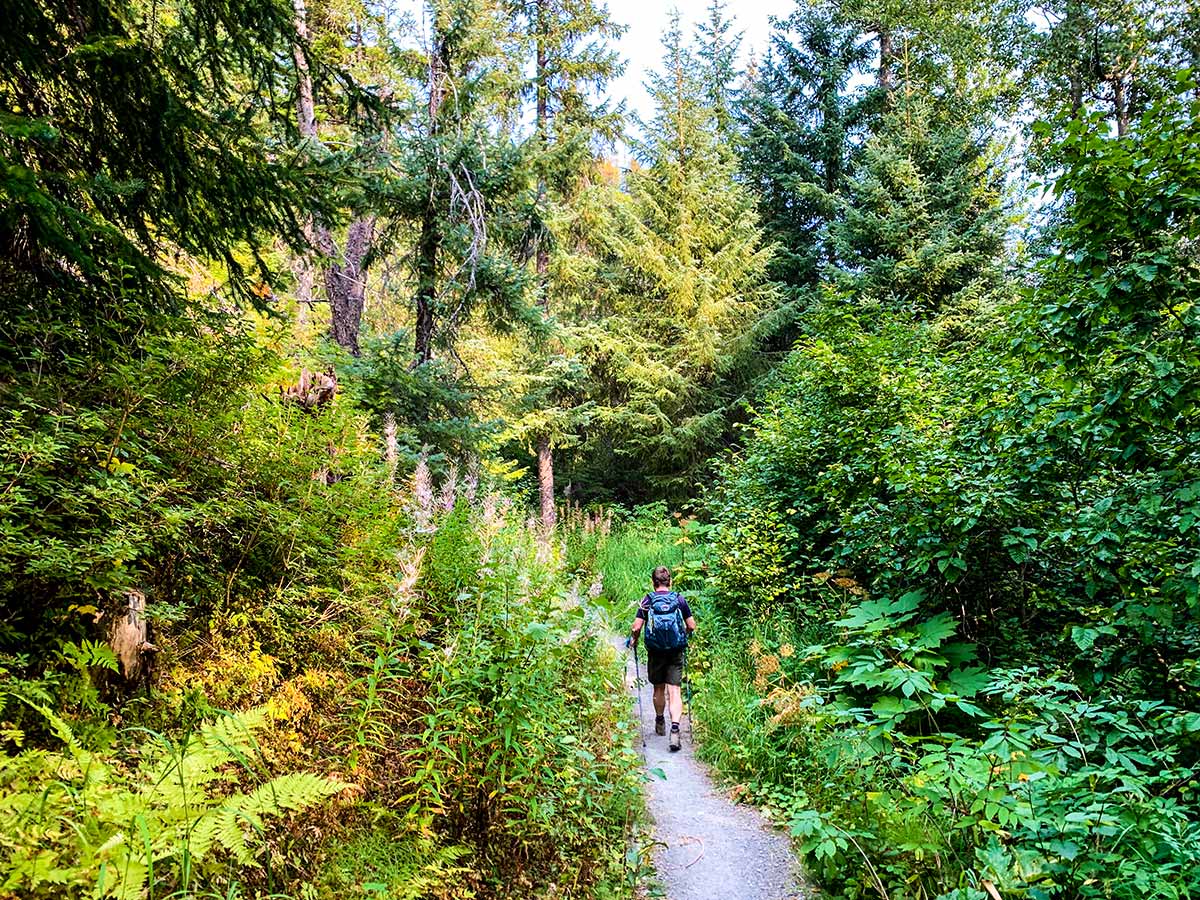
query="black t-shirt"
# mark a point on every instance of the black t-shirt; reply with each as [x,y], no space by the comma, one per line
[644,606]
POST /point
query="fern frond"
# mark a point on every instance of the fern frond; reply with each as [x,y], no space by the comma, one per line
[179,777]
[226,826]
[294,791]
[233,735]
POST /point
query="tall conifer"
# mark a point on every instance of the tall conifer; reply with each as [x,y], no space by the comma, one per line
[802,121]
[696,300]
[571,65]
[462,178]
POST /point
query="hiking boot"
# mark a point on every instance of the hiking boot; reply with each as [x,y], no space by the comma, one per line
[675,738]
[660,725]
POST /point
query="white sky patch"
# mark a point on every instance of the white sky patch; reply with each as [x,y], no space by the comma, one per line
[641,45]
[640,48]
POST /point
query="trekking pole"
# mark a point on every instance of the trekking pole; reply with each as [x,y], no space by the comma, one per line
[687,697]
[637,684]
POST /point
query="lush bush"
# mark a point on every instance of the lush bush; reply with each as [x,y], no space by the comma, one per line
[283,570]
[965,568]
[78,824]
[523,750]
[896,762]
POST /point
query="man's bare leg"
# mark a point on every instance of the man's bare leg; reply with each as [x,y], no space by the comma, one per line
[676,698]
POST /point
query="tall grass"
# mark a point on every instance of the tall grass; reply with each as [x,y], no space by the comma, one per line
[626,559]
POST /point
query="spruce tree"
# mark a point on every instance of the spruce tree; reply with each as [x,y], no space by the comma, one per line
[717,50]
[122,134]
[461,178]
[696,300]
[922,228]
[802,122]
[571,64]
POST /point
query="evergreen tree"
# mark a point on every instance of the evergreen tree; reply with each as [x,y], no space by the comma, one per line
[571,63]
[122,134]
[462,178]
[696,300]
[923,223]
[718,51]
[801,123]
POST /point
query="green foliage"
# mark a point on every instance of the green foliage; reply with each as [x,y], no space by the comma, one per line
[406,868]
[798,145]
[952,547]
[642,541]
[435,409]
[125,477]
[76,824]
[871,752]
[524,745]
[114,143]
[923,219]
[692,303]
[947,578]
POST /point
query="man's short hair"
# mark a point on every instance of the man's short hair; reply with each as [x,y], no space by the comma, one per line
[661,577]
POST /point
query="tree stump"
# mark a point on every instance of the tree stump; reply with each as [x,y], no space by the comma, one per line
[130,639]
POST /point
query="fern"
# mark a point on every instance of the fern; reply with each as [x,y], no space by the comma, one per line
[198,763]
[68,821]
[87,655]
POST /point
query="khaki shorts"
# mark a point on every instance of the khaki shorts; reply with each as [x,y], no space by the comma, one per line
[664,668]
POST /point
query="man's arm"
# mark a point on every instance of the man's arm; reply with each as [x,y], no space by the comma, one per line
[688,620]
[638,621]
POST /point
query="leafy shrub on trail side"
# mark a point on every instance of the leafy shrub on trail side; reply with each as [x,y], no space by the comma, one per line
[191,485]
[77,824]
[878,753]
[1037,495]
[525,754]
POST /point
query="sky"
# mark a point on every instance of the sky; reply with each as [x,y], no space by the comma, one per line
[641,48]
[647,19]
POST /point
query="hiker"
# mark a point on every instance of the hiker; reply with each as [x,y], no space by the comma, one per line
[667,621]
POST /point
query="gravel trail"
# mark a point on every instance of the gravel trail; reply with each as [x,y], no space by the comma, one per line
[713,849]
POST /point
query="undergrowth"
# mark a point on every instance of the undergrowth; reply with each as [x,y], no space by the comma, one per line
[425,706]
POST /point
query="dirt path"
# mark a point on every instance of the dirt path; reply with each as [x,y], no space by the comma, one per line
[712,849]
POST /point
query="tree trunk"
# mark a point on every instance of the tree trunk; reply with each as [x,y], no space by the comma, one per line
[545,454]
[129,638]
[886,53]
[305,108]
[543,124]
[306,120]
[545,465]
[428,245]
[429,242]
[1120,106]
[346,283]
[344,277]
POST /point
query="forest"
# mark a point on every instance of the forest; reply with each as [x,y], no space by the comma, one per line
[359,360]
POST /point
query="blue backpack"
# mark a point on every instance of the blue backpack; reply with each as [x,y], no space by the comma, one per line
[665,628]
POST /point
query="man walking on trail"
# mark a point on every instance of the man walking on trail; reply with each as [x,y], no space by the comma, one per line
[667,622]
